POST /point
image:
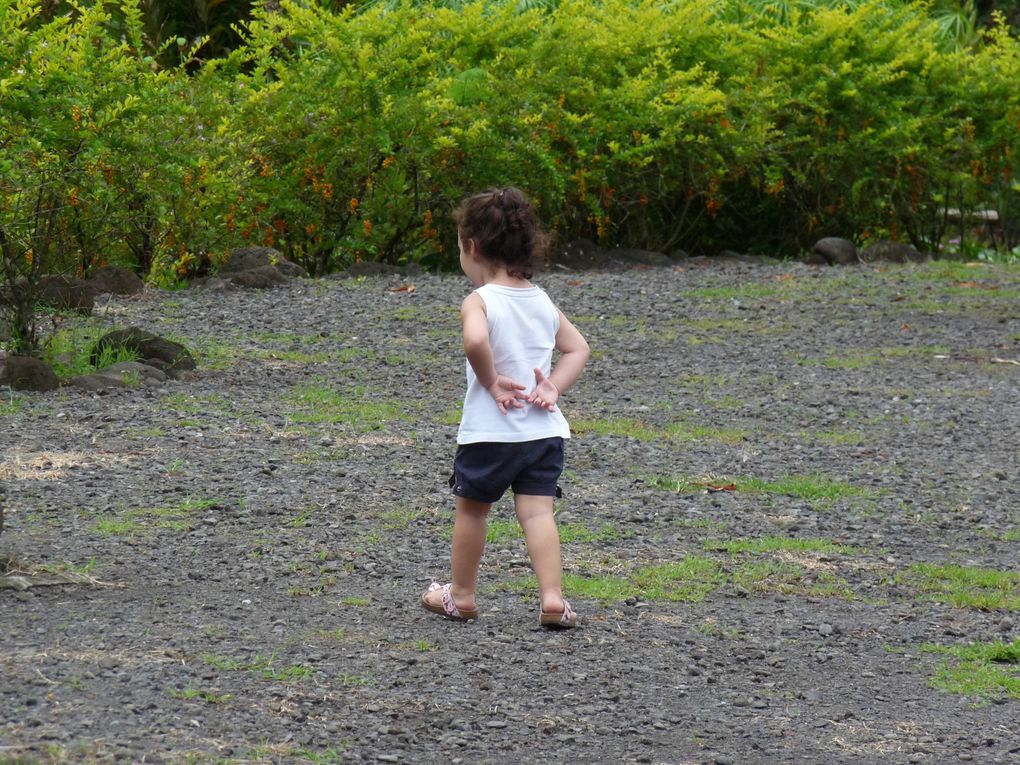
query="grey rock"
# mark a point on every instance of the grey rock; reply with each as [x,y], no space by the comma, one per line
[835,251]
[66,293]
[243,259]
[171,357]
[27,373]
[115,280]
[257,278]
[891,252]
[125,374]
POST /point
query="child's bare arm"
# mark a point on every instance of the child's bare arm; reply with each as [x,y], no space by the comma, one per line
[504,391]
[574,353]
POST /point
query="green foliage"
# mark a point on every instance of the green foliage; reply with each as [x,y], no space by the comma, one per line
[348,131]
[101,154]
[69,352]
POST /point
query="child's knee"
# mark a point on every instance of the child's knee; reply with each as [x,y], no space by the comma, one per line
[528,506]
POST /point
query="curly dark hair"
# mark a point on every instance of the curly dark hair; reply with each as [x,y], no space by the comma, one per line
[504,228]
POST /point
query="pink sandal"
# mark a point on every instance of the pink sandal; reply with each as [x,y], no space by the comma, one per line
[447,608]
[559,621]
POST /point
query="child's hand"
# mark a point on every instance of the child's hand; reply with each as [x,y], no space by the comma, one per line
[507,394]
[545,394]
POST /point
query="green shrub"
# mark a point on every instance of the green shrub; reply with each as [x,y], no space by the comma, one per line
[348,135]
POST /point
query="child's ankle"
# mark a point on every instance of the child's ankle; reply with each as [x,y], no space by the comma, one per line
[552,602]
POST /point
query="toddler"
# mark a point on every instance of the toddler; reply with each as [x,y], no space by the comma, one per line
[511,434]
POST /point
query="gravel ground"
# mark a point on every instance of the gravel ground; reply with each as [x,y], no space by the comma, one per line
[251,544]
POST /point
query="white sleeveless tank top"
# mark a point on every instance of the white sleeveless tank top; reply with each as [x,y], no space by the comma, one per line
[523,323]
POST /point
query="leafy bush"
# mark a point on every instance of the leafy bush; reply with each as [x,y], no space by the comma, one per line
[101,156]
[350,134]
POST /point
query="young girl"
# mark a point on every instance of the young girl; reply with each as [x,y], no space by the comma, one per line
[511,434]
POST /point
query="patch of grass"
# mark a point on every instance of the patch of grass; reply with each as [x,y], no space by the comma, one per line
[189,693]
[401,518]
[187,403]
[772,544]
[68,351]
[578,532]
[984,589]
[288,355]
[325,757]
[262,665]
[338,634]
[11,402]
[356,601]
[677,432]
[813,488]
[301,519]
[621,427]
[685,432]
[859,358]
[692,579]
[276,753]
[318,404]
[949,270]
[500,530]
[352,354]
[141,521]
[990,670]
[212,355]
[1013,535]
[788,578]
[65,567]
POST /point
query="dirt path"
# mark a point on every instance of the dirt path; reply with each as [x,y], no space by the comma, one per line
[791,492]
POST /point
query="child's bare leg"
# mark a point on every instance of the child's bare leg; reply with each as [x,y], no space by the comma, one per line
[535,514]
[470,525]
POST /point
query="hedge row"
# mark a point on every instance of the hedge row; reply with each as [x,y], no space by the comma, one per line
[338,136]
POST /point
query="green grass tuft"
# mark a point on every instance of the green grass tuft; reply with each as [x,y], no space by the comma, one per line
[809,487]
[776,544]
[318,404]
[990,670]
[983,589]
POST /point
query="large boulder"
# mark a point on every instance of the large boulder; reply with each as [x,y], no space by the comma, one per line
[631,258]
[27,373]
[115,280]
[578,255]
[243,259]
[584,254]
[166,355]
[257,278]
[834,251]
[66,293]
[891,252]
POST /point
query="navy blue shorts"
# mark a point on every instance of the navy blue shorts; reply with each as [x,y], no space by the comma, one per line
[484,471]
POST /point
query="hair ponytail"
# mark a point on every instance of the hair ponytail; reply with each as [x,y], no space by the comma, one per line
[505,229]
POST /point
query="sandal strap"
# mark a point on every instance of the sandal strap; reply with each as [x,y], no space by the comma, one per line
[449,607]
[568,613]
